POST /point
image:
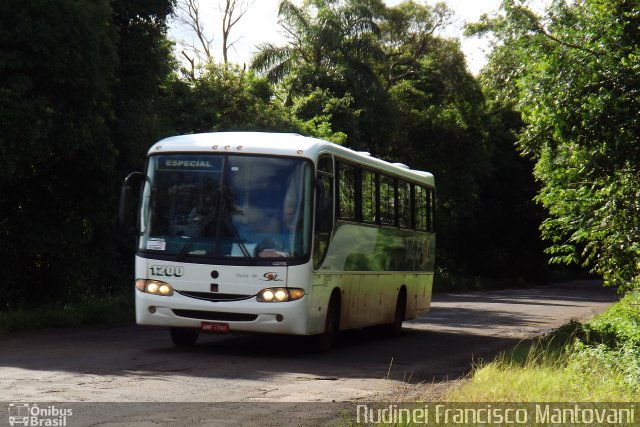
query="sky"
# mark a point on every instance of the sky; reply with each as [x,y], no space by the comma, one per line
[260,25]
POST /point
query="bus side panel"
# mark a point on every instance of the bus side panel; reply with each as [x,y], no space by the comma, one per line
[413,295]
[301,276]
[141,268]
[369,298]
[357,305]
[321,289]
[350,301]
[370,264]
[424,291]
[379,296]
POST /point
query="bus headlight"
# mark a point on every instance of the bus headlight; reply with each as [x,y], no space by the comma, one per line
[280,294]
[155,287]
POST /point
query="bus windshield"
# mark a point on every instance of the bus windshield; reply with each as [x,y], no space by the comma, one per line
[226,206]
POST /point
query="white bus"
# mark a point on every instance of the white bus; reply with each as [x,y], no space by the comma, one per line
[278,233]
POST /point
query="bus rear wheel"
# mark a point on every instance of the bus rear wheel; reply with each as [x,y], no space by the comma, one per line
[184,337]
[394,329]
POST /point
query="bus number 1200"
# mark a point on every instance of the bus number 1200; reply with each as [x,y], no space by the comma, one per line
[167,270]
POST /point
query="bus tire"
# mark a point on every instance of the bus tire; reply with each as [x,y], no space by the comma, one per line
[324,342]
[394,329]
[184,337]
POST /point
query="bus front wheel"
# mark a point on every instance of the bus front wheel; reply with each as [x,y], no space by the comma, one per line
[324,342]
[184,337]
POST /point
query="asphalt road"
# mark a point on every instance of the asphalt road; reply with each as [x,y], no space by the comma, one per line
[139,364]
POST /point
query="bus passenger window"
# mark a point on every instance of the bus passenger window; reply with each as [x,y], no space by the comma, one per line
[324,210]
[347,191]
[421,208]
[387,201]
[325,164]
[368,196]
[404,204]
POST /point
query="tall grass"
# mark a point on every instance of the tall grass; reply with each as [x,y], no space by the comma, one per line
[108,309]
[597,361]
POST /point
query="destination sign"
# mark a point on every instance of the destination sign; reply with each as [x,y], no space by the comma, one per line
[197,163]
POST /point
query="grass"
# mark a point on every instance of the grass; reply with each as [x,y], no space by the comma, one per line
[597,362]
[93,311]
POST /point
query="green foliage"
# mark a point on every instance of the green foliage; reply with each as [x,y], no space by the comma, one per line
[574,76]
[144,62]
[324,35]
[408,37]
[321,110]
[618,327]
[609,345]
[223,99]
[228,98]
[56,69]
[78,80]
[332,45]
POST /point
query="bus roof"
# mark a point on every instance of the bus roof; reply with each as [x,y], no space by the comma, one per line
[279,144]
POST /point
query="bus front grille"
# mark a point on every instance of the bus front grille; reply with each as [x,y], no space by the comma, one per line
[214,296]
[216,315]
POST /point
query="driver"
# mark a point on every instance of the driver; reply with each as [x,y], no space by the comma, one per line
[275,247]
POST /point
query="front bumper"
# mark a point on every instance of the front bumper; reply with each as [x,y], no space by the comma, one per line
[242,316]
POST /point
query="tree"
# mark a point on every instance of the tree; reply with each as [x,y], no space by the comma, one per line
[57,65]
[321,34]
[232,12]
[332,45]
[408,35]
[199,52]
[227,98]
[144,63]
[196,53]
[79,81]
[576,84]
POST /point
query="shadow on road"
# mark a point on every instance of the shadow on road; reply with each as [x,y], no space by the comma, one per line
[416,354]
[460,330]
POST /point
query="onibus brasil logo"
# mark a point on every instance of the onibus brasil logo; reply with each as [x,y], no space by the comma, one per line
[25,414]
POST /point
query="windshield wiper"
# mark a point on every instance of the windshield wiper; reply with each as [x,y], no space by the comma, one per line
[229,223]
[207,220]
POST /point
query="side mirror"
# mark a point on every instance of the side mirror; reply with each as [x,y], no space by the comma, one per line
[129,201]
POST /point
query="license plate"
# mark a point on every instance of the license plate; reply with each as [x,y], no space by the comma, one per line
[214,327]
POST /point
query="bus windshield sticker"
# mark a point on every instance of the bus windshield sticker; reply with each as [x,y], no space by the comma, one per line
[156,244]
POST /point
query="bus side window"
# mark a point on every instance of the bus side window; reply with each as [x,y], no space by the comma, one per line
[387,201]
[347,191]
[369,199]
[404,204]
[324,204]
[421,208]
[324,210]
